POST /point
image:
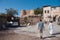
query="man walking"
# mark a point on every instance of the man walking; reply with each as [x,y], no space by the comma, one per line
[40,27]
[50,27]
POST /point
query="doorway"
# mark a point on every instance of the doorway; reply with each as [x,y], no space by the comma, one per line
[54,18]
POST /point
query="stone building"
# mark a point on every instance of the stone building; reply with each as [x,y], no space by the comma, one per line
[25,13]
[50,12]
[31,17]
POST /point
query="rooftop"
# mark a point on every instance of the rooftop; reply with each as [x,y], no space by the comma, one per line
[51,6]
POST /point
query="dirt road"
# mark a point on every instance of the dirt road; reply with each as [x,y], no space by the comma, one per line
[17,37]
[23,37]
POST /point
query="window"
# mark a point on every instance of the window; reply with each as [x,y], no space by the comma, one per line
[45,11]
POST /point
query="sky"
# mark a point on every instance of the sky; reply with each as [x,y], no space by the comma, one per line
[26,4]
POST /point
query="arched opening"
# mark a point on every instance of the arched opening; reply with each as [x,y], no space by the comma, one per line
[54,18]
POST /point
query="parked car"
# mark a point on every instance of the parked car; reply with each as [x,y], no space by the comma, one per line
[12,24]
[6,24]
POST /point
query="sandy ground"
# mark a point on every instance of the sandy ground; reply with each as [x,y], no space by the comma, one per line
[23,37]
[17,37]
[22,34]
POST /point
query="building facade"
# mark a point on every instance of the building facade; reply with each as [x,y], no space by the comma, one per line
[49,12]
[26,13]
[31,17]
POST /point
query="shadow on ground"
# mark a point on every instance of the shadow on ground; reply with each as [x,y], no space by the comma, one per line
[49,37]
[52,36]
[56,33]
